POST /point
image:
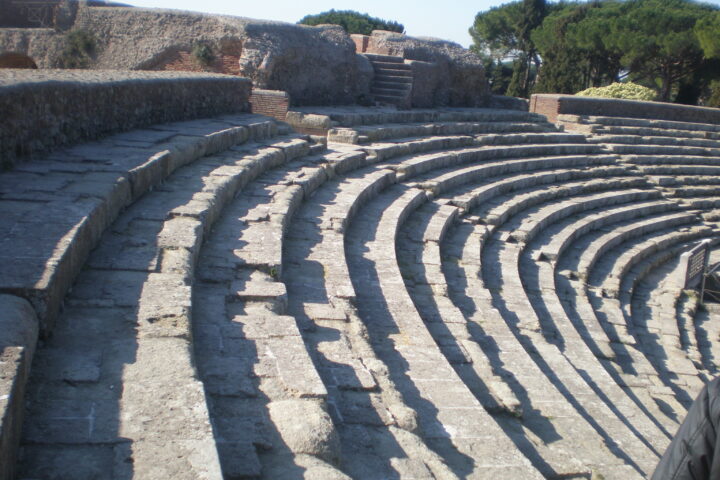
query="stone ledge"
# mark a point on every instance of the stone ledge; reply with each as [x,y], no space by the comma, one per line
[19,327]
[553,105]
[48,108]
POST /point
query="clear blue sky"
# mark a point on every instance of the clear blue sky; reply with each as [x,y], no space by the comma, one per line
[449,19]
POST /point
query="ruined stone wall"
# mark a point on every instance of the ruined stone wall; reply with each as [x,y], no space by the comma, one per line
[451,75]
[315,65]
[45,109]
[553,105]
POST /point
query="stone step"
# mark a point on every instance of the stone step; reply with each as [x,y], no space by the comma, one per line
[622,149]
[391,83]
[460,418]
[621,234]
[652,284]
[523,293]
[512,167]
[399,91]
[398,62]
[349,116]
[639,122]
[680,170]
[375,57]
[363,395]
[500,260]
[655,132]
[398,100]
[574,228]
[628,355]
[132,306]
[654,140]
[398,131]
[468,196]
[392,78]
[566,301]
[502,393]
[670,160]
[69,197]
[517,353]
[391,70]
[695,191]
[581,199]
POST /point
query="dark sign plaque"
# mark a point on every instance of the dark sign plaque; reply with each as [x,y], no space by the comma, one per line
[696,264]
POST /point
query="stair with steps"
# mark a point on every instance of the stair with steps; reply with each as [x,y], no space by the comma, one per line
[392,82]
[425,301]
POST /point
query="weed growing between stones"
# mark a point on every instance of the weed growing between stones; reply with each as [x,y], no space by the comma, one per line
[203,53]
[79,49]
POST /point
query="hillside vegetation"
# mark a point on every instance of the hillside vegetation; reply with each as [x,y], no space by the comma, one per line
[670,46]
[352,22]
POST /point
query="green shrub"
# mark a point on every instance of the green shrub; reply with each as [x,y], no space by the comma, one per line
[203,53]
[714,97]
[352,21]
[625,91]
[79,49]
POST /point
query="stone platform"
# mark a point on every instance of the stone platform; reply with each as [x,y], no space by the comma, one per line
[454,293]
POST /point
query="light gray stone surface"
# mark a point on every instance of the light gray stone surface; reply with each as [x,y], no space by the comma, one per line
[431,307]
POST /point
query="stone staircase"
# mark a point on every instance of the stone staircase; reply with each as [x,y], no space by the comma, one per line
[458,293]
[392,82]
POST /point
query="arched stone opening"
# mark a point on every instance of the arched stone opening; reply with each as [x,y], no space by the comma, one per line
[16,60]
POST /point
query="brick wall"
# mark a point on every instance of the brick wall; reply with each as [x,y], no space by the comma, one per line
[554,105]
[271,103]
[184,61]
[361,42]
[547,105]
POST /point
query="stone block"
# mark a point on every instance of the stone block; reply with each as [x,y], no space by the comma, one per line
[315,435]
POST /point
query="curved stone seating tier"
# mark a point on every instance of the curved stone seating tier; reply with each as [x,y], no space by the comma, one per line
[554,368]
[376,133]
[707,334]
[505,382]
[638,122]
[620,234]
[451,293]
[574,322]
[530,159]
[356,116]
[663,266]
[69,197]
[653,140]
[537,313]
[434,285]
[563,234]
[592,248]
[663,316]
[449,415]
[667,321]
[644,149]
[321,300]
[676,161]
[106,365]
[468,197]
[609,275]
[655,132]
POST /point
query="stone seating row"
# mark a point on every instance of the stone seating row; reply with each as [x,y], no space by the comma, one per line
[605,121]
[145,259]
[301,311]
[65,200]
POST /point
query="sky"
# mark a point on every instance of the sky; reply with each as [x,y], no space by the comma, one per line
[446,19]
